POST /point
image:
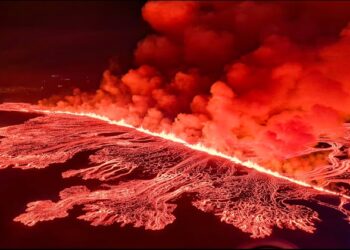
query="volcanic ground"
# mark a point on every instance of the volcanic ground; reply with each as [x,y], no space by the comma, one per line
[108,175]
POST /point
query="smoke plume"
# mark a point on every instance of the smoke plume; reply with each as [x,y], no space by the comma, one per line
[258,79]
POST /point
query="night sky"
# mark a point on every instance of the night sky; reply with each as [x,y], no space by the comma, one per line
[74,39]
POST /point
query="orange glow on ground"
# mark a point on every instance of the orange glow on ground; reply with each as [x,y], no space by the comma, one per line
[198,147]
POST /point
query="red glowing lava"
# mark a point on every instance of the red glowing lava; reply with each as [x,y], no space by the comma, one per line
[142,176]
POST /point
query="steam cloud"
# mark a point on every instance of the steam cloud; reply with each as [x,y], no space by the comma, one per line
[246,78]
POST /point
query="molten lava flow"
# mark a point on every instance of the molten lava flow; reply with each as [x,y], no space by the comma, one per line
[142,174]
[210,151]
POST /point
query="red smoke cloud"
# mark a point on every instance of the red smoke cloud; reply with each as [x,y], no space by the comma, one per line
[266,77]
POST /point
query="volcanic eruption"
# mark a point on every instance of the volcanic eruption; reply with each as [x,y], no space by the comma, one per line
[242,105]
[245,78]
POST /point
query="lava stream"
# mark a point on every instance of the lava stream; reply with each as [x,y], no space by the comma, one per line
[198,147]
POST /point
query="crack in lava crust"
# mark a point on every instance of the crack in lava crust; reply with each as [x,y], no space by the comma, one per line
[143,175]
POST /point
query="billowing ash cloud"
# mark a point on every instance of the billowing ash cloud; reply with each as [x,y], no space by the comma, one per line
[265,77]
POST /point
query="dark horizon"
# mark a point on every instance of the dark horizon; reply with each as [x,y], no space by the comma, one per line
[74,39]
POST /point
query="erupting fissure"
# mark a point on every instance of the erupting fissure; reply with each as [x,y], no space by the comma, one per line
[198,147]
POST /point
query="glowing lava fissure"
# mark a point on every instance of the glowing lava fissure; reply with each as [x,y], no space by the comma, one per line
[198,147]
[167,168]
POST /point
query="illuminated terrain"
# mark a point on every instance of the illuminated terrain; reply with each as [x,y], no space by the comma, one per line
[141,176]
